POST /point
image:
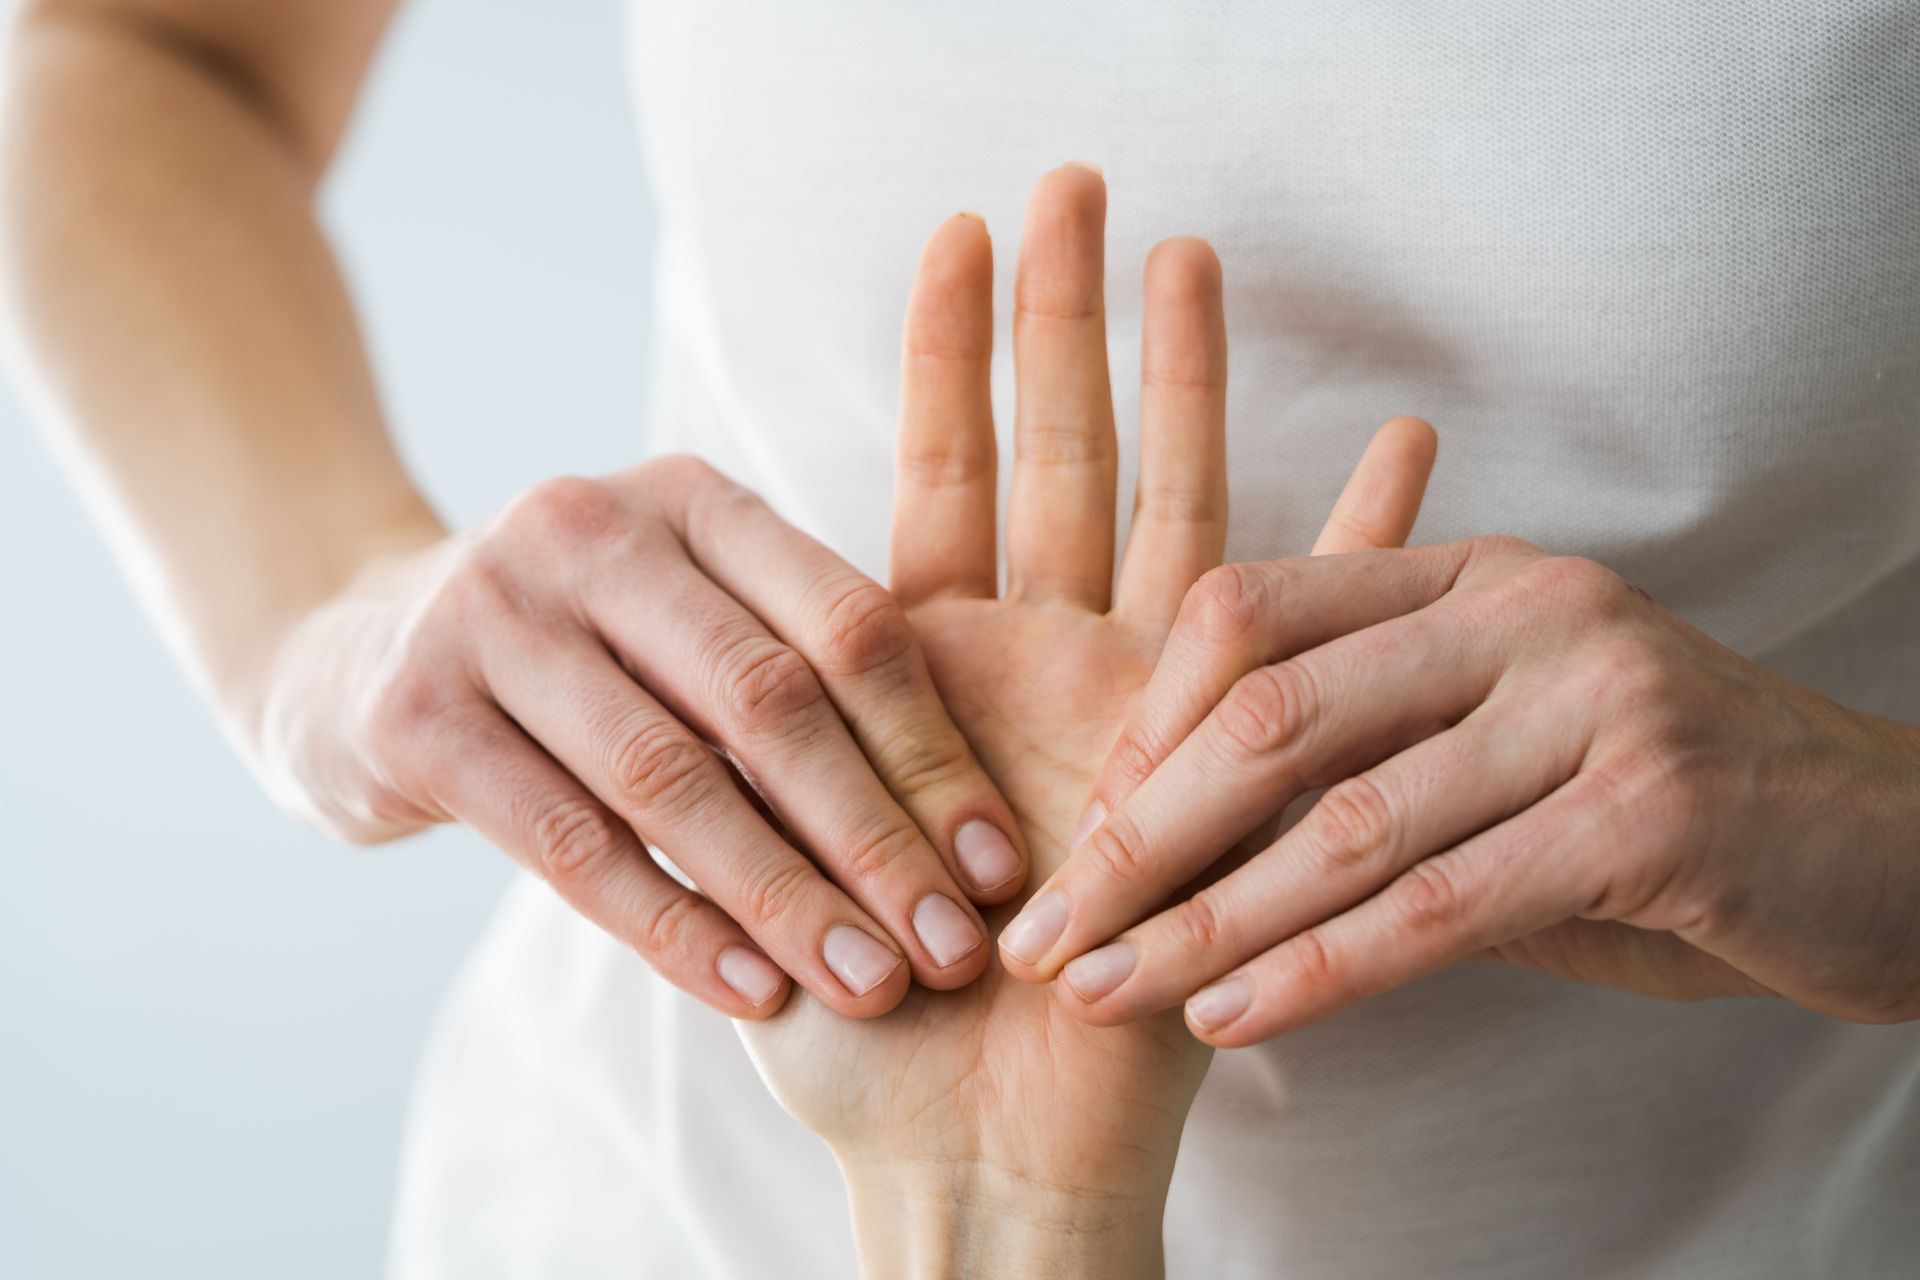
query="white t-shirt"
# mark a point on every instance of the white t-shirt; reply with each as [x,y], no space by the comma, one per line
[1653,268]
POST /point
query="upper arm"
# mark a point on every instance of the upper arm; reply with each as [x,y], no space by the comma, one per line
[299,63]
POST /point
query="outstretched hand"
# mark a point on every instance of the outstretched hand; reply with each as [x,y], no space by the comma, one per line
[993,1094]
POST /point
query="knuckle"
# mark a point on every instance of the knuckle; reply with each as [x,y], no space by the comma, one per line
[1226,605]
[1501,547]
[865,630]
[1354,825]
[683,472]
[1429,899]
[571,839]
[1169,503]
[1311,964]
[928,764]
[1114,853]
[1263,712]
[680,482]
[770,891]
[1134,757]
[1589,590]
[954,459]
[769,687]
[476,585]
[870,857]
[1196,925]
[568,511]
[669,927]
[658,768]
[1065,441]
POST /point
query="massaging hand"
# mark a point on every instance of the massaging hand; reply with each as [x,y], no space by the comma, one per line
[1528,759]
[984,1126]
[554,680]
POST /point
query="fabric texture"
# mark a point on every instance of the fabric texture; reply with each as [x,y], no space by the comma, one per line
[1652,268]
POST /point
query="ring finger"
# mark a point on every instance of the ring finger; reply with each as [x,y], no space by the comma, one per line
[675,793]
[1360,835]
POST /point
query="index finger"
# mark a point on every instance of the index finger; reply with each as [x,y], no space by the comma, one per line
[1244,616]
[856,638]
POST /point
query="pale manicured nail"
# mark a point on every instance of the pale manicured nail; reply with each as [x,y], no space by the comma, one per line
[1089,823]
[1036,928]
[1088,165]
[948,933]
[985,854]
[751,974]
[1096,973]
[859,961]
[1220,1003]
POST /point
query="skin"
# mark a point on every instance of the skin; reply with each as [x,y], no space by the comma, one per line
[554,677]
[985,1131]
[1528,760]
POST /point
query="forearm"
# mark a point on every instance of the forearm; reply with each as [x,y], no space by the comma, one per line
[189,344]
[940,1220]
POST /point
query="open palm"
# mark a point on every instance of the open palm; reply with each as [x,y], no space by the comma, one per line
[1041,679]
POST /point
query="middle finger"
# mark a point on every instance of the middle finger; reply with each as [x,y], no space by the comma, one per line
[724,674]
[1060,516]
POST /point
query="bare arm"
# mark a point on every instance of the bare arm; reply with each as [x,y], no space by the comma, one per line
[551,678]
[186,331]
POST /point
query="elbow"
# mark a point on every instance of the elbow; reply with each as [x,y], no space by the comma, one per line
[109,36]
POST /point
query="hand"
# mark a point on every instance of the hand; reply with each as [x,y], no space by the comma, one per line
[554,679]
[986,1123]
[1528,759]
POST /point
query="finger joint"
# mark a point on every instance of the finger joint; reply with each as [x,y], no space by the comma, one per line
[1264,711]
[865,631]
[659,769]
[572,839]
[770,690]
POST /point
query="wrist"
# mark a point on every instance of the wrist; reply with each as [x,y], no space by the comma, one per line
[938,1218]
[374,564]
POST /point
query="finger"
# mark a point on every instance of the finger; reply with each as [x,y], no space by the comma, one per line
[855,639]
[1359,835]
[1546,865]
[1382,498]
[671,789]
[505,787]
[1244,616]
[945,469]
[1179,526]
[1280,732]
[724,675]
[1060,513]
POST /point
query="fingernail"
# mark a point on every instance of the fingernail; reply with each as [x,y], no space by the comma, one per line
[1090,167]
[1220,1003]
[985,854]
[948,933]
[1089,823]
[968,213]
[1036,928]
[857,959]
[751,974]
[1096,973]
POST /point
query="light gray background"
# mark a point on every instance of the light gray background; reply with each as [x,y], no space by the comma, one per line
[209,1015]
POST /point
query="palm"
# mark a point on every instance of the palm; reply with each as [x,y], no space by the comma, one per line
[1041,690]
[1041,678]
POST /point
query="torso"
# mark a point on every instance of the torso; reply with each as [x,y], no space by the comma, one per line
[1654,272]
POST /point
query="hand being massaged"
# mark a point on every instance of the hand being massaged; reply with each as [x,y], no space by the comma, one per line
[986,1125]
